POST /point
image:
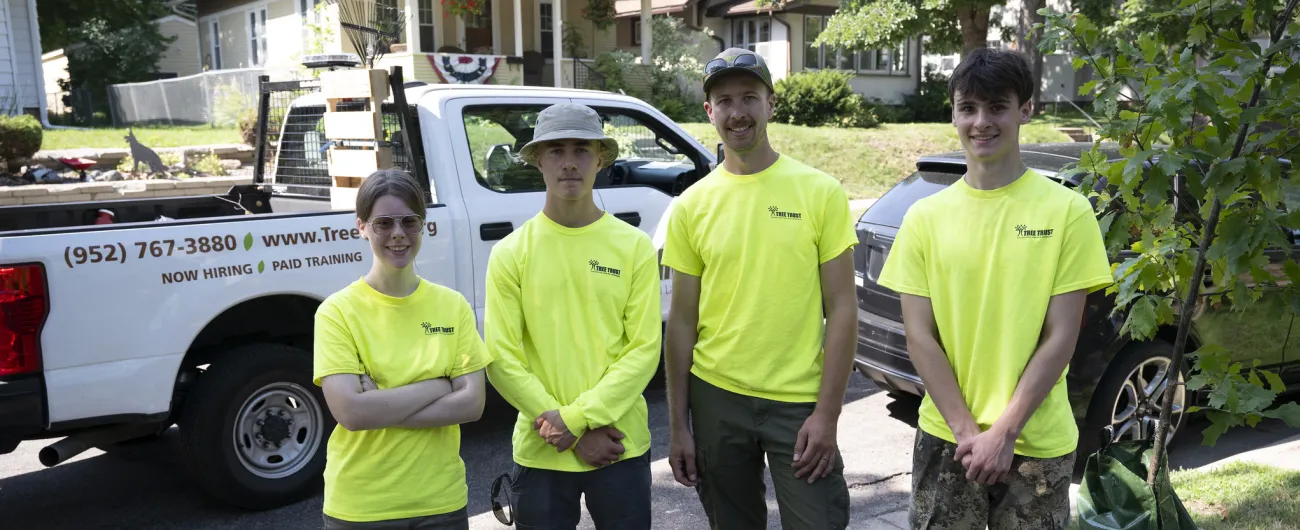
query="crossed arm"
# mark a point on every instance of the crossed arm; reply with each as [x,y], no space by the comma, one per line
[423,404]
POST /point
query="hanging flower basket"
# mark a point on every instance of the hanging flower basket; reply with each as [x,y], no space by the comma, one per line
[461,8]
[600,13]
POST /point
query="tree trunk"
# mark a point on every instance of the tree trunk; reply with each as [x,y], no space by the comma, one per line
[1027,42]
[974,22]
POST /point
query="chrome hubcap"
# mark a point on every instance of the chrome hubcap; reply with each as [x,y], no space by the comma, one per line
[1136,411]
[278,429]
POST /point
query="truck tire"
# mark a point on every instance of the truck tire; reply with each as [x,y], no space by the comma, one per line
[1121,401]
[254,428]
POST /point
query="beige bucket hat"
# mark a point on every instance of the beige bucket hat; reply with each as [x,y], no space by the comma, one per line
[570,121]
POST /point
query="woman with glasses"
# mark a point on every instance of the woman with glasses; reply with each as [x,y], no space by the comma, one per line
[401,364]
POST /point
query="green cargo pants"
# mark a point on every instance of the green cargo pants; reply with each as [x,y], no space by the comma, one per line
[733,433]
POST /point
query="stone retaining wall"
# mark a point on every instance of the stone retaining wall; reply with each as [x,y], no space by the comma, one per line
[108,158]
[123,189]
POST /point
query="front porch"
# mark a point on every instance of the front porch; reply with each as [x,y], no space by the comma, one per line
[517,42]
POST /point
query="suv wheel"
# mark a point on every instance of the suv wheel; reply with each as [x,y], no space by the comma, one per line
[255,427]
[1129,397]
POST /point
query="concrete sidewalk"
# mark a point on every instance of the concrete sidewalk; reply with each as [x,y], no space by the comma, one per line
[1284,454]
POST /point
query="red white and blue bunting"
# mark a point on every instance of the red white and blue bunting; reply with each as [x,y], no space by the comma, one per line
[456,68]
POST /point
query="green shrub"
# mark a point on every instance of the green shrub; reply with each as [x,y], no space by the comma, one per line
[820,98]
[208,164]
[20,138]
[248,128]
[931,103]
[888,113]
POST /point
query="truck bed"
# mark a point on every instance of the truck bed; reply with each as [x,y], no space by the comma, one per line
[241,200]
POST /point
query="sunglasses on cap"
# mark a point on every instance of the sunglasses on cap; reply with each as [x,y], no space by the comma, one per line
[410,223]
[748,61]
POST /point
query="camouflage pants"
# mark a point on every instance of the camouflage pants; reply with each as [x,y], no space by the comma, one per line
[1034,495]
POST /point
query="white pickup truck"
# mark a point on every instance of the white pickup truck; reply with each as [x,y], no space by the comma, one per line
[197,311]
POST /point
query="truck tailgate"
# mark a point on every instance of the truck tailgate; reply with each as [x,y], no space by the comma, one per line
[126,301]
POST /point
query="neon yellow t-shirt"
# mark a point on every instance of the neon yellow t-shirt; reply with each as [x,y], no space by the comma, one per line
[990,261]
[396,472]
[757,243]
[573,324]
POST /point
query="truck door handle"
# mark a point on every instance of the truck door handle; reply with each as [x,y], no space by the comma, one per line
[495,231]
[632,218]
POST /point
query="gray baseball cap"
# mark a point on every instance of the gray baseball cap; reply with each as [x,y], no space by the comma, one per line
[570,121]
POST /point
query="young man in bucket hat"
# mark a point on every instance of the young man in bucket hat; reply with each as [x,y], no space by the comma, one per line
[573,321]
[762,250]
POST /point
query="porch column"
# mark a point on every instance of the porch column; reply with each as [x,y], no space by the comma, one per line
[646,37]
[558,44]
[412,37]
[519,29]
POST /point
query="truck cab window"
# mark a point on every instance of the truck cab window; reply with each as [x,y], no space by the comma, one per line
[496,135]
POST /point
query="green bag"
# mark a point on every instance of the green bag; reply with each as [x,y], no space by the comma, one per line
[1114,494]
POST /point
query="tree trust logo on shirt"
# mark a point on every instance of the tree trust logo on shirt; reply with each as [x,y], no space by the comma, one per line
[430,329]
[776,213]
[1023,232]
[597,268]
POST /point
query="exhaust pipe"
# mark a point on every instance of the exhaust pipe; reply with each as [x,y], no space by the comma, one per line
[63,450]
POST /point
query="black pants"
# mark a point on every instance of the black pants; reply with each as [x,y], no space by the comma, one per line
[618,496]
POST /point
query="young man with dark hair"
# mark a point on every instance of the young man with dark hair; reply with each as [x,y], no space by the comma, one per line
[573,321]
[762,250]
[993,273]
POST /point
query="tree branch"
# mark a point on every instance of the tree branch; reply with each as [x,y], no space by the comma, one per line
[1198,275]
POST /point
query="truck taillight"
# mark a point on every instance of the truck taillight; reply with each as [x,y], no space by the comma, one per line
[23,308]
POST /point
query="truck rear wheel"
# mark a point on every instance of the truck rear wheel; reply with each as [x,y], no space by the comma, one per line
[253,430]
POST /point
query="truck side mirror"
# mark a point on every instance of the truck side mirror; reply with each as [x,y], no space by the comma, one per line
[721,153]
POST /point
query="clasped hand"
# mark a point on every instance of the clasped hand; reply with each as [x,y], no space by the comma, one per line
[986,456]
[598,447]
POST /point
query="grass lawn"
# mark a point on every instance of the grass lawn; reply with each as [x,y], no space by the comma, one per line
[1241,495]
[868,161]
[150,136]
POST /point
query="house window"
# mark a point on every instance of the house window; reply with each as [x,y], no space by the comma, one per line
[636,31]
[748,33]
[545,11]
[427,44]
[881,61]
[215,40]
[257,36]
[309,14]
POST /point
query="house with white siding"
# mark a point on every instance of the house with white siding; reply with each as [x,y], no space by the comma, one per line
[22,87]
[524,38]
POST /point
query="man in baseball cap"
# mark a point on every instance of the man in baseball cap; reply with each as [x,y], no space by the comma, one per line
[749,380]
[734,60]
[573,323]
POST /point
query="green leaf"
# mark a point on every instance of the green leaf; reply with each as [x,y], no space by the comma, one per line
[1253,419]
[1196,34]
[1288,412]
[261,266]
[248,241]
[1218,425]
[1078,63]
[1142,321]
[1274,382]
[1196,382]
[1088,87]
